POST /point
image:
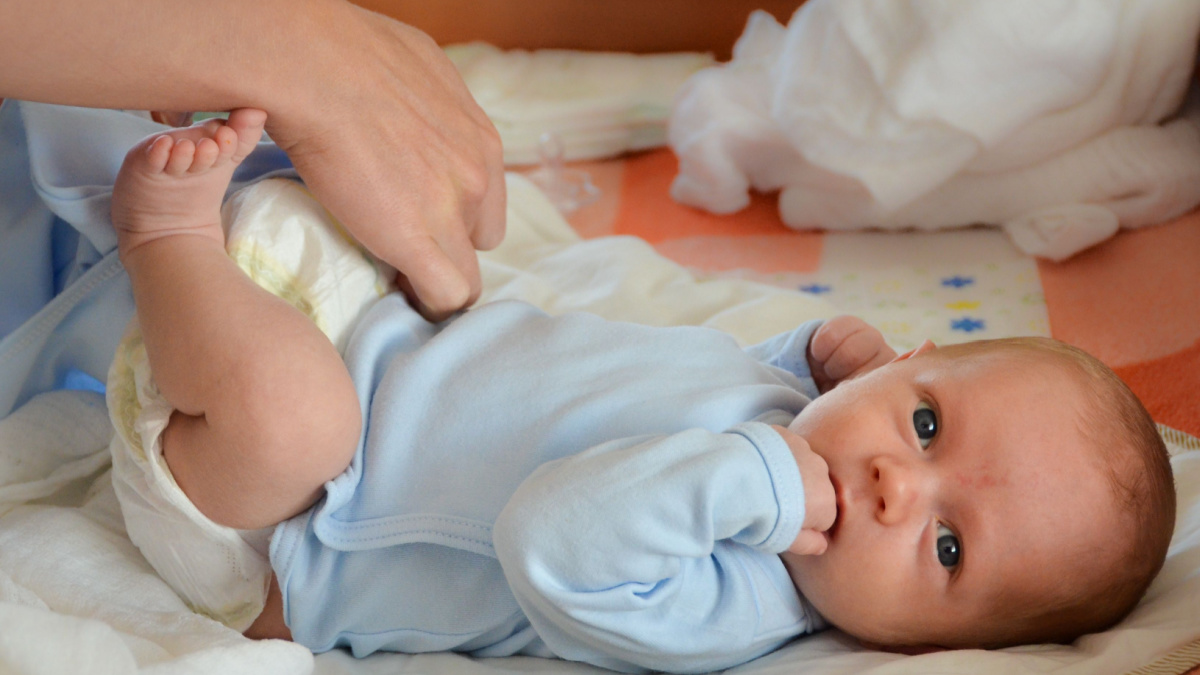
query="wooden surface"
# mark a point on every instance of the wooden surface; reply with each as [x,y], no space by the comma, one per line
[613,25]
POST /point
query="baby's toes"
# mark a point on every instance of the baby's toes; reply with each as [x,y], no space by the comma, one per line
[226,140]
[206,155]
[247,124]
[158,152]
[181,157]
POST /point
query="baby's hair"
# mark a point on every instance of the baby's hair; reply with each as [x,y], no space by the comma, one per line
[1135,459]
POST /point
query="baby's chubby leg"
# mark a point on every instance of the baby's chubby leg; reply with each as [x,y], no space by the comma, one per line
[265,408]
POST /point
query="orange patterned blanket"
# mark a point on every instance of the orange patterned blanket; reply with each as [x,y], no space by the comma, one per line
[1133,301]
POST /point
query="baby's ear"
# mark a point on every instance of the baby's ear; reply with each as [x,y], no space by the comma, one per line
[926,346]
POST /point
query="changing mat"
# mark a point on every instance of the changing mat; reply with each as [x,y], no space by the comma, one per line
[1133,301]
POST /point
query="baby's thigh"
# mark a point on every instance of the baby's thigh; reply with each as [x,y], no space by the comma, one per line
[270,624]
[241,482]
[219,571]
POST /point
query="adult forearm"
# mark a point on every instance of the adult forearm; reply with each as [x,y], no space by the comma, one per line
[374,117]
[159,54]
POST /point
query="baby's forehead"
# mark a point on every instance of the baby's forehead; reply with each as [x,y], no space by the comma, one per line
[1060,386]
[1016,354]
[1052,379]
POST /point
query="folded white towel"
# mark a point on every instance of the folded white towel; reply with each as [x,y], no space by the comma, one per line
[600,104]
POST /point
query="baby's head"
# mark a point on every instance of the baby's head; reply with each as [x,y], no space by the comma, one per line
[989,494]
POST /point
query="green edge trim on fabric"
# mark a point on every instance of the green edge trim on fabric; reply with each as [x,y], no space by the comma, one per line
[1179,439]
[1178,661]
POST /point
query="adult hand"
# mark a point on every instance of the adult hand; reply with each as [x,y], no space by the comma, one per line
[403,156]
[374,116]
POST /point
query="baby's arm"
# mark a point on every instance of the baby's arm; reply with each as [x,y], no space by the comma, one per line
[845,347]
[265,408]
[656,552]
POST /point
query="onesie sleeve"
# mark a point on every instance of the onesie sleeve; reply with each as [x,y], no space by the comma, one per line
[789,351]
[659,553]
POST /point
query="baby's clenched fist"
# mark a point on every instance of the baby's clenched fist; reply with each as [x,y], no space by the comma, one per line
[845,347]
[820,500]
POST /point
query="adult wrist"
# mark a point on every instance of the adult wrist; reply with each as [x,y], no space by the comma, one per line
[303,66]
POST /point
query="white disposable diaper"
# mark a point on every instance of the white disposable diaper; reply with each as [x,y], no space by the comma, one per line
[289,244]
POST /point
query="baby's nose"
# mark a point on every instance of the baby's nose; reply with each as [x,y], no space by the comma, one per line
[899,489]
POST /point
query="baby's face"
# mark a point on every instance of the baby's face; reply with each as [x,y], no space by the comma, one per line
[962,484]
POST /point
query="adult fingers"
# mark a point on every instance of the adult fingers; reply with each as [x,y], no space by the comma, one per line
[488,228]
[486,210]
[419,181]
[440,277]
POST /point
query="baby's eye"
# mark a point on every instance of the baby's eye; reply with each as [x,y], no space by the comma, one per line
[926,424]
[948,548]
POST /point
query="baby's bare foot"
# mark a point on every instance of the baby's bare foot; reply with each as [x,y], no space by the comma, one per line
[174,182]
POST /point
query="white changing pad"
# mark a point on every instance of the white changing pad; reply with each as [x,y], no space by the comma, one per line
[77,597]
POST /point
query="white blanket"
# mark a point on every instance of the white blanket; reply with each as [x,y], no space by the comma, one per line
[1050,117]
[77,597]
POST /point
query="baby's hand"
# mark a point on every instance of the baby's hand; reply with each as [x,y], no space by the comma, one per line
[820,500]
[845,347]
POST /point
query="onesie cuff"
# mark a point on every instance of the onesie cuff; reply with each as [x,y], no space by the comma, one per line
[789,351]
[786,484]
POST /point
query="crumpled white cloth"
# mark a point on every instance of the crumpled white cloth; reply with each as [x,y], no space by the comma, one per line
[1050,117]
[75,594]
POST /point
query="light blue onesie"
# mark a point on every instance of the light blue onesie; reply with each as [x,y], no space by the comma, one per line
[557,486]
[664,559]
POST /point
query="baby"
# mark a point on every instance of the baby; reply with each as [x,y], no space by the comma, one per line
[632,497]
